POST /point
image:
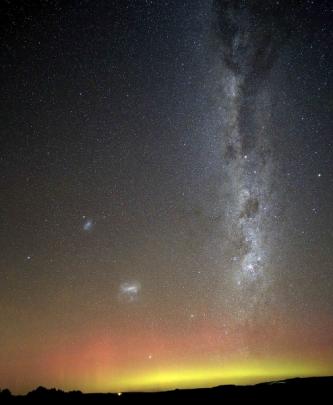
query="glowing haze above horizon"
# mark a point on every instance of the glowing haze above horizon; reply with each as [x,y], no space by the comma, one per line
[166,193]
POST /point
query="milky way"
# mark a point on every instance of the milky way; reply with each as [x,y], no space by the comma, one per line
[166,193]
[248,37]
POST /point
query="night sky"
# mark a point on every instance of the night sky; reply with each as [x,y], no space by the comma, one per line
[166,177]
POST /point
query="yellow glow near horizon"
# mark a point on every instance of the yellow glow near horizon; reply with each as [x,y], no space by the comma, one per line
[206,376]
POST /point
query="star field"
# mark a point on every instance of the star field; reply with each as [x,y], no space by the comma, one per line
[166,192]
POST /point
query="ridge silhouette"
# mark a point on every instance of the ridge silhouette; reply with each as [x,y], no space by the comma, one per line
[315,390]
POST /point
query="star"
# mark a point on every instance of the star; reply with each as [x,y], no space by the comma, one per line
[165,193]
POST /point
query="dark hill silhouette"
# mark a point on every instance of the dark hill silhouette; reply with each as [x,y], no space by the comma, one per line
[316,390]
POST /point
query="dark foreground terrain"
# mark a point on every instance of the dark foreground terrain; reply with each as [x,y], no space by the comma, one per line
[317,390]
